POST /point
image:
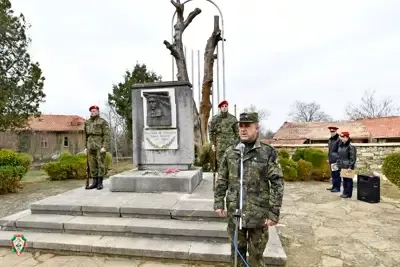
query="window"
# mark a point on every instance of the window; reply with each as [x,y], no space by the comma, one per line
[43,142]
[66,143]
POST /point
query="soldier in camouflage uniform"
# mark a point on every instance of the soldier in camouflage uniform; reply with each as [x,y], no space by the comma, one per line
[223,131]
[97,140]
[262,191]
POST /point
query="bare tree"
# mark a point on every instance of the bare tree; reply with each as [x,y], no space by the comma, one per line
[268,134]
[209,57]
[119,135]
[263,115]
[308,112]
[176,48]
[370,107]
[177,51]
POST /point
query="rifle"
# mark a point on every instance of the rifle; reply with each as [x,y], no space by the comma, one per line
[214,163]
[88,176]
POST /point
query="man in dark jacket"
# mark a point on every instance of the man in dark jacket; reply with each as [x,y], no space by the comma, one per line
[333,146]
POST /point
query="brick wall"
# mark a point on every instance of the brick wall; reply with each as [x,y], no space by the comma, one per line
[369,155]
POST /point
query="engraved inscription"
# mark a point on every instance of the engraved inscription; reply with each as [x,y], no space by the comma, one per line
[160,139]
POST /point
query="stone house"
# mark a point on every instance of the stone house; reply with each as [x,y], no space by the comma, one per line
[377,130]
[47,136]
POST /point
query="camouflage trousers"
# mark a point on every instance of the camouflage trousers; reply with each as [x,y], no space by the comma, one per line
[220,154]
[97,162]
[253,240]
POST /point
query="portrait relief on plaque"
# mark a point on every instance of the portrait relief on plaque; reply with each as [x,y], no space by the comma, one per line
[159,109]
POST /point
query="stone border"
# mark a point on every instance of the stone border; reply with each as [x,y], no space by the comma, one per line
[326,145]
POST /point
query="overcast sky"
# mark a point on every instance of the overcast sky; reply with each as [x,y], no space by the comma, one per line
[276,52]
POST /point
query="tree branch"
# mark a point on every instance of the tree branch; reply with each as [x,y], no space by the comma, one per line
[177,4]
[171,48]
[370,107]
[190,17]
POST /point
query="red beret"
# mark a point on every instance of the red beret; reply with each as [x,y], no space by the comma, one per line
[94,107]
[222,103]
[347,134]
[333,128]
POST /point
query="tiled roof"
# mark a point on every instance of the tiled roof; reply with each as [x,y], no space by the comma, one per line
[286,141]
[383,127]
[318,130]
[56,123]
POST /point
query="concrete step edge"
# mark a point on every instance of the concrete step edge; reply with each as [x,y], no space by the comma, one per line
[105,211]
[136,247]
[122,226]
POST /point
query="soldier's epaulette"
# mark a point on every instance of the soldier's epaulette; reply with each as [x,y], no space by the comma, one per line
[265,144]
[273,151]
[268,145]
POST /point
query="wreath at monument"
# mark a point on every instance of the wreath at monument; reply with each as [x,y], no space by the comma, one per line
[163,146]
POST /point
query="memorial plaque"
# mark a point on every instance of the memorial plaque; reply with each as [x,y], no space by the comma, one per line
[160,139]
[158,109]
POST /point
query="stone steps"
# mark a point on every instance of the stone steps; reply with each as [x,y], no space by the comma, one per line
[185,213]
[115,226]
[156,225]
[136,247]
[78,202]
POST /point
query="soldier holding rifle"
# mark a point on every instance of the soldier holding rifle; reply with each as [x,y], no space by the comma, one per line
[97,140]
[223,131]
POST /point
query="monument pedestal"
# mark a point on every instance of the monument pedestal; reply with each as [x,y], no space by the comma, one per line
[153,181]
[163,138]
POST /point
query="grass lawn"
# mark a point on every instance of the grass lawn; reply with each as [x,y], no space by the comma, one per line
[34,176]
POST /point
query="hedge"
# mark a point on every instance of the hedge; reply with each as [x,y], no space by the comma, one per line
[283,154]
[305,164]
[304,170]
[289,169]
[391,168]
[70,166]
[13,167]
[205,158]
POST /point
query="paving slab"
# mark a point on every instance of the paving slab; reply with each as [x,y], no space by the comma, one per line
[152,181]
[150,204]
[43,221]
[194,209]
[9,221]
[168,228]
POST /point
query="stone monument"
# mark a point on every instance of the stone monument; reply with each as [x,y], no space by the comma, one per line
[163,141]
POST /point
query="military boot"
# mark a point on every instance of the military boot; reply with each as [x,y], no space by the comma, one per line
[94,184]
[100,183]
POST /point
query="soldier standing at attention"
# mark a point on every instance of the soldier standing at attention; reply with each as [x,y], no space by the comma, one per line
[97,140]
[333,146]
[262,191]
[223,131]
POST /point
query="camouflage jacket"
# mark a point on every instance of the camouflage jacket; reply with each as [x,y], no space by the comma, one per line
[97,133]
[262,184]
[224,130]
